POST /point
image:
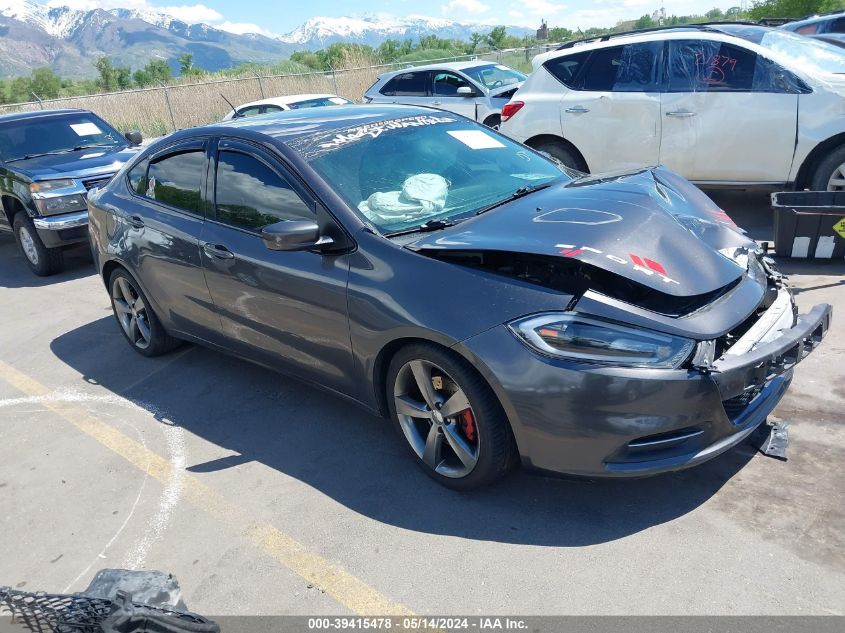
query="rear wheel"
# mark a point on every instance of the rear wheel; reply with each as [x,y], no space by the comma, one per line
[41,260]
[829,174]
[449,417]
[136,318]
[563,153]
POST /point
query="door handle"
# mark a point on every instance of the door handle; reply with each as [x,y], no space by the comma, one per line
[435,103]
[218,251]
[577,110]
[681,113]
[135,222]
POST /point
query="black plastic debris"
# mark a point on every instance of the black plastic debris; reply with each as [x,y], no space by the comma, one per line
[772,439]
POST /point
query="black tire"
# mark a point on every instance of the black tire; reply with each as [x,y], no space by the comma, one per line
[494,121]
[146,336]
[826,168]
[563,153]
[494,446]
[41,260]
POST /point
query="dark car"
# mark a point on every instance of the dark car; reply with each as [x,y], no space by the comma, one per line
[833,22]
[494,305]
[48,161]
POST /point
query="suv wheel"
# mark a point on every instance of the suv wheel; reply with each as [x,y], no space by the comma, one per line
[449,417]
[563,153]
[136,318]
[42,261]
[829,174]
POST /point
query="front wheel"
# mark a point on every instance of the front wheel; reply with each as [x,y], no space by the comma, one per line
[829,174]
[41,260]
[449,417]
[136,318]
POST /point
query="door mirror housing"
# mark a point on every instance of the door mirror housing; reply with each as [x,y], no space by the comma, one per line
[466,91]
[134,137]
[293,235]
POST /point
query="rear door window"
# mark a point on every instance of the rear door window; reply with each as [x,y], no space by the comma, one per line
[407,85]
[629,68]
[176,180]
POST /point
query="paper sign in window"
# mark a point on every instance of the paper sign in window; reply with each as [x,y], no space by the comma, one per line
[85,129]
[476,139]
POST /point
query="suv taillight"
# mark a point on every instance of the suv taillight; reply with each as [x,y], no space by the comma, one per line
[511,108]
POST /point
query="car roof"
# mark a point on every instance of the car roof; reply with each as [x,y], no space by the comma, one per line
[813,19]
[710,30]
[287,99]
[442,66]
[39,114]
[291,124]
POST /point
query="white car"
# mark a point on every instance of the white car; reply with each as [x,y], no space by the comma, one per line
[475,89]
[289,102]
[730,105]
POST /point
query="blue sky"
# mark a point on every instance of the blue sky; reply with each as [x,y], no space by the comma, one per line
[281,17]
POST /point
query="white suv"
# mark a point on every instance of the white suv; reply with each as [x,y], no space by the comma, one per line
[723,105]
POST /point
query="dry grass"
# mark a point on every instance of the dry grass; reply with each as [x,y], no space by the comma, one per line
[158,111]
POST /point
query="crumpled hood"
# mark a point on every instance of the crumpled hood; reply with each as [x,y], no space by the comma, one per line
[83,163]
[651,226]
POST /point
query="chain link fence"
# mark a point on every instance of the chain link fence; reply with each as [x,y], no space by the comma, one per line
[160,110]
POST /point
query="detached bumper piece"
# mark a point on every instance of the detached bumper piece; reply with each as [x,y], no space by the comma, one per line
[772,439]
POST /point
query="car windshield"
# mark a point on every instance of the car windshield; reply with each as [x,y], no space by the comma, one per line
[806,53]
[319,102]
[55,135]
[402,173]
[494,75]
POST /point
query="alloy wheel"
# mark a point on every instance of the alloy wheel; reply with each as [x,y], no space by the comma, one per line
[837,179]
[131,311]
[28,245]
[436,418]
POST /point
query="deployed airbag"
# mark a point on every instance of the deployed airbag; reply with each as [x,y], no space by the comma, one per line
[422,195]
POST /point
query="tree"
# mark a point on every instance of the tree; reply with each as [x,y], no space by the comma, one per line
[186,63]
[496,38]
[792,8]
[45,84]
[714,14]
[107,81]
[123,77]
[645,22]
[156,72]
[474,40]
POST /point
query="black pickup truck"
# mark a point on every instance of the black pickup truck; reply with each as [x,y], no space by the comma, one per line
[49,160]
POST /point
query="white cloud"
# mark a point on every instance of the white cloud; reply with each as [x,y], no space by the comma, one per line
[464,7]
[239,28]
[191,13]
[542,8]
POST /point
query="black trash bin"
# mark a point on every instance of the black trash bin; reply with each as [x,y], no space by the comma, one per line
[809,224]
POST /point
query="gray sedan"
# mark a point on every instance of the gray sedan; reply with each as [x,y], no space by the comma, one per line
[494,305]
[477,89]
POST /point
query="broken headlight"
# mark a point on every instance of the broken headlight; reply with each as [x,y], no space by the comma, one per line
[573,336]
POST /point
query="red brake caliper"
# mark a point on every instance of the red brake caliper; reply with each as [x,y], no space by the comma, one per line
[468,425]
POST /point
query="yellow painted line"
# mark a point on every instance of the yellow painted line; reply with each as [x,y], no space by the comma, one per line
[338,583]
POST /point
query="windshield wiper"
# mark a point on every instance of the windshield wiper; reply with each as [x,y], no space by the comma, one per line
[519,193]
[431,225]
[60,151]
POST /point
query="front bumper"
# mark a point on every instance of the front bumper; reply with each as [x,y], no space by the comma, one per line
[582,419]
[62,230]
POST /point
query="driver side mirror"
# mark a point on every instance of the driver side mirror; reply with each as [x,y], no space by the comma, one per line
[293,235]
[466,91]
[134,137]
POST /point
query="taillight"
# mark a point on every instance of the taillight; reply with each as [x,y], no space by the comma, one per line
[511,108]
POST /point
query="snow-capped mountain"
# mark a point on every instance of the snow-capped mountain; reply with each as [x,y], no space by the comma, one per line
[374,29]
[70,40]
